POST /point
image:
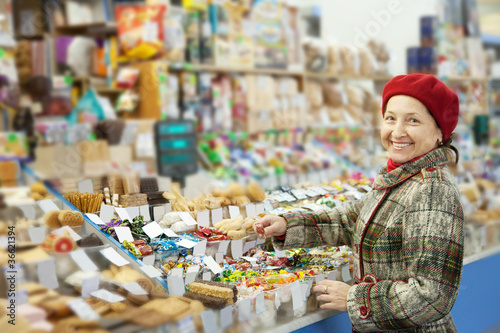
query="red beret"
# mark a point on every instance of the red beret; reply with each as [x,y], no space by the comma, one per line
[440,100]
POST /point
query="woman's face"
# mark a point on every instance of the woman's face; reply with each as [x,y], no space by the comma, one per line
[408,129]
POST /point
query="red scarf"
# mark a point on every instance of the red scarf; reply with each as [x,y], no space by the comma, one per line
[391,165]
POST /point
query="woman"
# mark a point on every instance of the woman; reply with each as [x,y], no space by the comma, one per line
[406,234]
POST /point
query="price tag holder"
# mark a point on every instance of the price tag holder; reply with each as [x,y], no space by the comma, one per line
[203,218]
[83,310]
[47,205]
[114,257]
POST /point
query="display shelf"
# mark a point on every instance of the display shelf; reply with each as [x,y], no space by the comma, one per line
[481,255]
[286,325]
[328,76]
[91,29]
[90,227]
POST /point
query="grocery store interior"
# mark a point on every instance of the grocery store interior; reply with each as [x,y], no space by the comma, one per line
[142,140]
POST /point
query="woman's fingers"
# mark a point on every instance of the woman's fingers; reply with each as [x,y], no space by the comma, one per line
[270,226]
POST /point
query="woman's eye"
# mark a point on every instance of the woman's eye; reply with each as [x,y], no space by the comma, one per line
[389,118]
[413,120]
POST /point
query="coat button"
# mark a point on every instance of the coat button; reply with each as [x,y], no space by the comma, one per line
[363,310]
[431,169]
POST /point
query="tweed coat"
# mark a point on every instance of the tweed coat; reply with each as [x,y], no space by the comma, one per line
[407,240]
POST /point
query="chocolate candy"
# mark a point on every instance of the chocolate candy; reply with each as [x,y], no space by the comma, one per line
[89,241]
[149,185]
[207,300]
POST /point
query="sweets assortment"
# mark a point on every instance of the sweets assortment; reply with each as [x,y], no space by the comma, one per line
[85,202]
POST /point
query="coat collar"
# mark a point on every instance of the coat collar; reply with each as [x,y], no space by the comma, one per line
[386,179]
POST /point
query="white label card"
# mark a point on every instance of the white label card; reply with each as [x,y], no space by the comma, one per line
[47,205]
[151,271]
[124,234]
[107,212]
[244,310]
[219,257]
[107,296]
[200,248]
[47,273]
[89,285]
[114,257]
[277,299]
[144,211]
[152,229]
[280,253]
[178,272]
[226,317]
[192,273]
[251,211]
[207,276]
[133,212]
[83,310]
[94,218]
[85,186]
[223,246]
[170,233]
[203,218]
[297,299]
[209,321]
[249,245]
[332,276]
[259,208]
[214,267]
[267,206]
[237,248]
[158,212]
[175,286]
[260,304]
[346,273]
[318,278]
[29,211]
[123,214]
[37,234]
[234,211]
[135,288]
[187,218]
[188,244]
[83,261]
[216,215]
[149,260]
[367,188]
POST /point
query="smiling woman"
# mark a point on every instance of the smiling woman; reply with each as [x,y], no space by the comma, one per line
[407,241]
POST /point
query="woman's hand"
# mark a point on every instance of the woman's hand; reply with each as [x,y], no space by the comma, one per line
[270,225]
[334,295]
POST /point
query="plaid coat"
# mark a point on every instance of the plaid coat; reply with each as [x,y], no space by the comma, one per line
[407,239]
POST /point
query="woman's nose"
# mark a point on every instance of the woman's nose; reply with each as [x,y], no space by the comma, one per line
[399,130]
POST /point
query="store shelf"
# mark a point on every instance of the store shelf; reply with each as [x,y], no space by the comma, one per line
[481,255]
[328,76]
[91,29]
[293,324]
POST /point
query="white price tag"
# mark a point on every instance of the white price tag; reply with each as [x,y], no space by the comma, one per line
[260,304]
[47,205]
[237,248]
[192,273]
[367,188]
[297,299]
[209,321]
[175,286]
[214,266]
[267,206]
[226,317]
[346,273]
[248,246]
[332,276]
[158,213]
[144,211]
[107,212]
[133,212]
[244,310]
[151,271]
[47,273]
[299,194]
[203,218]
[318,278]
[135,288]
[72,234]
[83,261]
[170,233]
[187,218]
[107,296]
[89,285]
[277,299]
[114,257]
[152,229]
[207,276]
[216,215]
[37,234]
[200,248]
[259,208]
[219,257]
[83,310]
[234,211]
[251,211]
[124,234]
[149,260]
[29,211]
[188,244]
[223,246]
[94,218]
[122,213]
